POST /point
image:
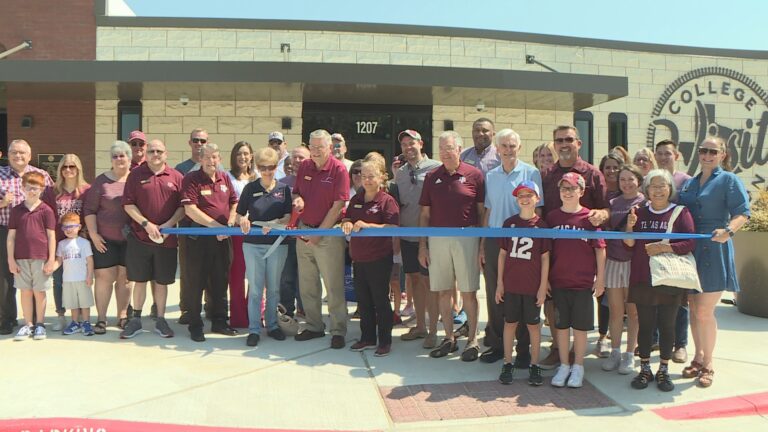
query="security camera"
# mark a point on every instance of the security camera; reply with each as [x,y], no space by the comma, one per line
[480,107]
[184,99]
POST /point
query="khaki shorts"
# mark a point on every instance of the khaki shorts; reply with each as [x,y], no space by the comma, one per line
[32,276]
[76,295]
[454,258]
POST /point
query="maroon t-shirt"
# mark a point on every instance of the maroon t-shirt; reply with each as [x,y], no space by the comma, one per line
[105,200]
[453,197]
[320,188]
[594,195]
[69,202]
[31,230]
[572,263]
[522,262]
[212,197]
[382,209]
[157,196]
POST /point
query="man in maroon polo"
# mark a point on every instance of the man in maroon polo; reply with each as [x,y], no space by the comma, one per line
[321,190]
[209,200]
[152,198]
[138,142]
[453,196]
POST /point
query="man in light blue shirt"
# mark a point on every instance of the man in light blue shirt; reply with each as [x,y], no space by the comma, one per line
[499,206]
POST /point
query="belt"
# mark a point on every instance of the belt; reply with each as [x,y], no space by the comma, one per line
[310,226]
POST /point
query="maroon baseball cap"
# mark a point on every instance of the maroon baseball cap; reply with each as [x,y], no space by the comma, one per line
[573,179]
[137,135]
[411,133]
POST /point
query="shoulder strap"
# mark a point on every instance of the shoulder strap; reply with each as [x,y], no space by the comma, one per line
[675,213]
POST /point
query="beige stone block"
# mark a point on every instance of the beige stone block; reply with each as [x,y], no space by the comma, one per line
[639,76]
[217,108]
[224,141]
[105,125]
[106,108]
[495,63]
[269,54]
[464,61]
[297,40]
[131,53]
[651,60]
[530,131]
[112,37]
[447,112]
[445,45]
[293,138]
[389,43]
[423,45]
[664,77]
[612,71]
[512,116]
[405,59]
[734,64]
[184,38]
[265,125]
[588,69]
[105,53]
[471,114]
[174,108]
[235,54]
[543,53]
[480,48]
[177,143]
[541,117]
[702,61]
[511,50]
[650,90]
[323,41]
[283,109]
[201,54]
[219,38]
[103,158]
[678,62]
[640,106]
[153,108]
[254,39]
[209,123]
[562,118]
[218,92]
[373,57]
[170,54]
[625,59]
[569,54]
[252,108]
[598,56]
[339,57]
[164,125]
[235,125]
[148,38]
[560,67]
[442,60]
[306,56]
[457,47]
[755,68]
[356,42]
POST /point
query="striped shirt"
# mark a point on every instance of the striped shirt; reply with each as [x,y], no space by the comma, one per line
[10,181]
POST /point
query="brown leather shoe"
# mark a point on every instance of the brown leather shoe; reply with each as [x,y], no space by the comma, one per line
[307,335]
[338,342]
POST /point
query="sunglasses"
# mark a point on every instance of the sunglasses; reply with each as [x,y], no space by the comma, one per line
[704,150]
[199,140]
[565,140]
[68,167]
[412,174]
[68,227]
[266,167]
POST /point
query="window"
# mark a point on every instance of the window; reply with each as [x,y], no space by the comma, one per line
[583,121]
[128,118]
[617,130]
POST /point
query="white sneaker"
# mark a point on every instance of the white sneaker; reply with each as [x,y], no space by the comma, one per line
[25,332]
[627,364]
[59,323]
[576,379]
[39,333]
[603,348]
[612,362]
[561,376]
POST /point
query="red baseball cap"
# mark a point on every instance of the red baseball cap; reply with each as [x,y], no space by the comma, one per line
[411,133]
[137,135]
[574,179]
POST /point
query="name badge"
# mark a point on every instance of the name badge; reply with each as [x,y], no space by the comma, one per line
[358,206]
[470,161]
[258,194]
[307,178]
[205,192]
[144,181]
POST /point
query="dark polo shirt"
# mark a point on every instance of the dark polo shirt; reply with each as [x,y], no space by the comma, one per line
[319,188]
[212,197]
[382,209]
[594,196]
[157,196]
[453,198]
[31,230]
[264,206]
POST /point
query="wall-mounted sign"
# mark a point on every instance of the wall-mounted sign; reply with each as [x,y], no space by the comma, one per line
[721,102]
[50,163]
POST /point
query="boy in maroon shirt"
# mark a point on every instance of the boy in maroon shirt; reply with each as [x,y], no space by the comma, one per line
[32,254]
[577,271]
[522,282]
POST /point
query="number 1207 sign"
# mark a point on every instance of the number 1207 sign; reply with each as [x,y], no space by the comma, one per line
[367,127]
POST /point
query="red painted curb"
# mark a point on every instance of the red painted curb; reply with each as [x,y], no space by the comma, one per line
[752,404]
[62,424]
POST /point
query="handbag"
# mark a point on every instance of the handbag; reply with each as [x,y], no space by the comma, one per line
[670,272]
[287,323]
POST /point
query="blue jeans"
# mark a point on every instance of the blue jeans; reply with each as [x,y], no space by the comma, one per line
[262,272]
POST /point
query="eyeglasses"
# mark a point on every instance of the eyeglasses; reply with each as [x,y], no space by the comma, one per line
[568,188]
[68,167]
[266,167]
[119,156]
[711,151]
[642,160]
[138,143]
[69,227]
[29,188]
[199,140]
[355,172]
[568,140]
[158,152]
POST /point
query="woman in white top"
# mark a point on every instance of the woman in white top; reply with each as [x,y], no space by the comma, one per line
[241,173]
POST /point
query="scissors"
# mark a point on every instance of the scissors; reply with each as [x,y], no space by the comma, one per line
[292,224]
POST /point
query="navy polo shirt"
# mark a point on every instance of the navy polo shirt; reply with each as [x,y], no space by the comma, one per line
[264,206]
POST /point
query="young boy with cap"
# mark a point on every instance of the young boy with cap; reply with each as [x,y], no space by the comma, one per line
[577,271]
[523,280]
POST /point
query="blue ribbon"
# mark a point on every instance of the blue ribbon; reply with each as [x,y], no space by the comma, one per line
[443,232]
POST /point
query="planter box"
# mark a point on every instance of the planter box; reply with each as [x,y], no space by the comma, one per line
[752,270]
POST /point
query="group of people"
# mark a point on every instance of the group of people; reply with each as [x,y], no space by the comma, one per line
[313,186]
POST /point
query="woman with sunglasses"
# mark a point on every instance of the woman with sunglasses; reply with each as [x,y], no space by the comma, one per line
[720,206]
[263,200]
[70,189]
[105,220]
[355,180]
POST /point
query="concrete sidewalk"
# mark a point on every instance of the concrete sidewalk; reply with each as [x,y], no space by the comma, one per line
[307,385]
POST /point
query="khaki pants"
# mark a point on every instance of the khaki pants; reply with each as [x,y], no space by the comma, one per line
[326,259]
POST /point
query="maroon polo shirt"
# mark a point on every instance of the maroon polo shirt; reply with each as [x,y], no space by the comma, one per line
[453,197]
[382,209]
[320,188]
[572,262]
[31,230]
[594,196]
[212,197]
[157,196]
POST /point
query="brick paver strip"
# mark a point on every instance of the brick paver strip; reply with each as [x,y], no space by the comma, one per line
[477,399]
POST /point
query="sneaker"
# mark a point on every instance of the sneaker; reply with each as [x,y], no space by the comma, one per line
[576,380]
[253,340]
[72,328]
[561,376]
[59,323]
[603,348]
[408,311]
[25,332]
[87,329]
[663,382]
[382,351]
[163,329]
[413,334]
[551,361]
[153,312]
[507,373]
[39,333]
[612,362]
[430,341]
[680,355]
[534,376]
[197,334]
[132,329]
[642,379]
[460,318]
[462,331]
[362,346]
[627,364]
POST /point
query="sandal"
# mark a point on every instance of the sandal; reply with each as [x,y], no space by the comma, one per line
[471,353]
[446,347]
[693,370]
[121,323]
[706,377]
[100,328]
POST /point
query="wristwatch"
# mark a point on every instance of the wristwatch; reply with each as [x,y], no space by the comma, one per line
[729,231]
[144,223]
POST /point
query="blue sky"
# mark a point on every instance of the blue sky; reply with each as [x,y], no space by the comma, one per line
[736,24]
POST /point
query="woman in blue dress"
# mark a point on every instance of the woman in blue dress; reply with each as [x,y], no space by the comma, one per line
[719,204]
